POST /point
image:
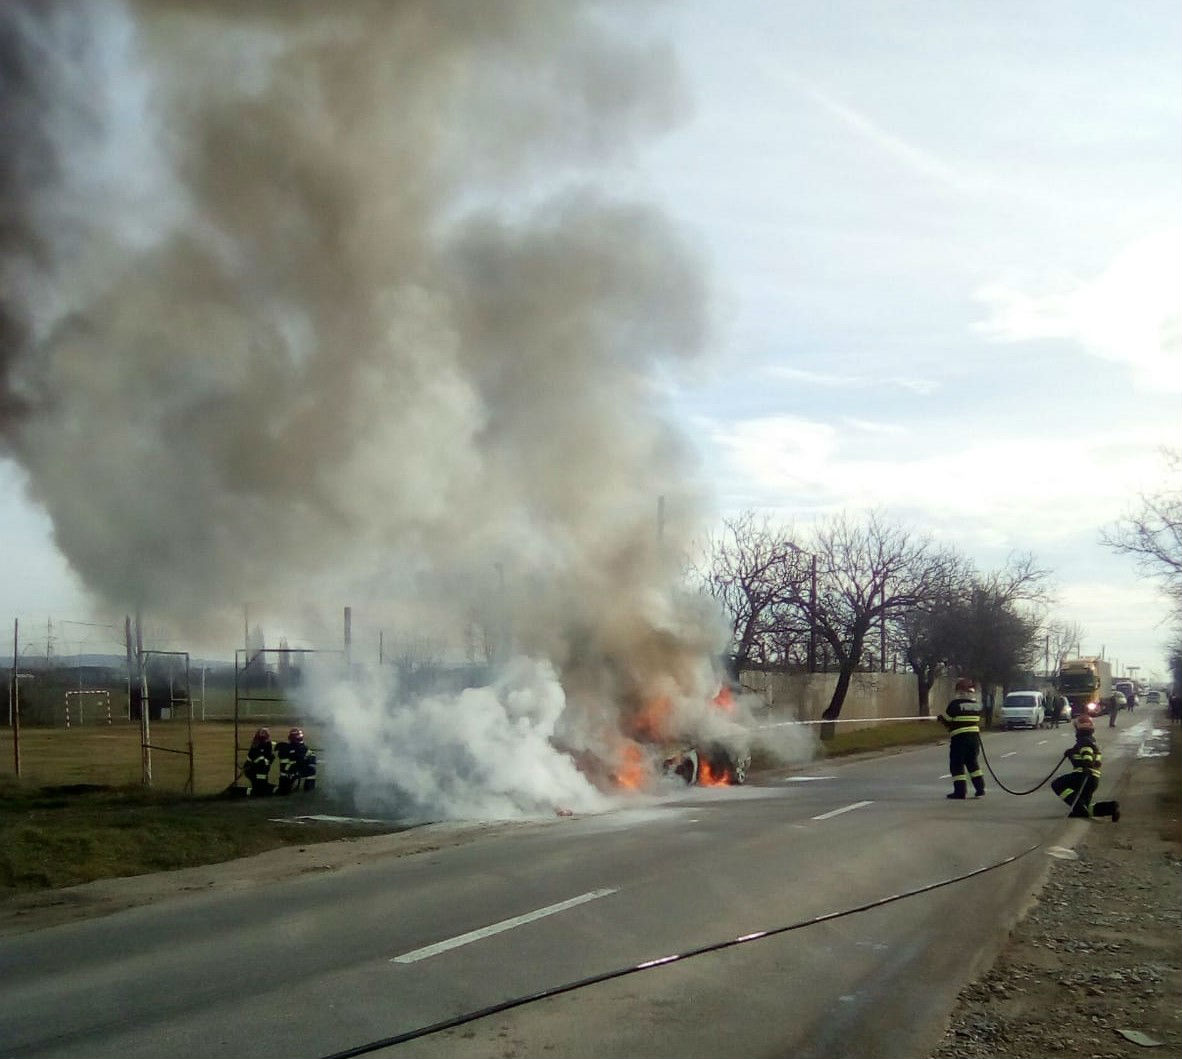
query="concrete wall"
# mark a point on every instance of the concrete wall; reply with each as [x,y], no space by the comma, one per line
[871,696]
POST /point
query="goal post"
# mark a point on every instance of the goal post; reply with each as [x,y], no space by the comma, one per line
[102,704]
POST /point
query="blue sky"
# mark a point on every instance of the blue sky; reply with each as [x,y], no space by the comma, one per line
[946,241]
[943,242]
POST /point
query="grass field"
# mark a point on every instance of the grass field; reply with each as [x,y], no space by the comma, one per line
[109,755]
[79,811]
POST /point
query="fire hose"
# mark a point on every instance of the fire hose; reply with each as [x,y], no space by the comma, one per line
[662,961]
[1020,794]
[1074,801]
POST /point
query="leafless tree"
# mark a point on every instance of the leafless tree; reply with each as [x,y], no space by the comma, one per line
[996,630]
[750,568]
[923,634]
[1061,638]
[1153,533]
[867,572]
[416,658]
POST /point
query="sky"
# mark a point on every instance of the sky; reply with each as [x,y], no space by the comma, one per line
[941,246]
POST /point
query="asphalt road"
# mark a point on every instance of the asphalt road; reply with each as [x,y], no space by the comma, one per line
[327,963]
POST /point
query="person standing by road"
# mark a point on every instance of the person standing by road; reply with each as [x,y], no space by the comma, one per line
[1057,704]
[1077,788]
[962,718]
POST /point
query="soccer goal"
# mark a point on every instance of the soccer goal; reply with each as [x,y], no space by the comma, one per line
[97,703]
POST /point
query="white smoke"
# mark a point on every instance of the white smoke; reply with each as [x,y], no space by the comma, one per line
[485,752]
[311,305]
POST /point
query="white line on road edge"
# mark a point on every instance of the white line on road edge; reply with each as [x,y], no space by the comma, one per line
[806,779]
[497,928]
[843,809]
[1012,753]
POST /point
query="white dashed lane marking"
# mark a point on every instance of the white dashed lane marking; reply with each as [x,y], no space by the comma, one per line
[843,809]
[497,928]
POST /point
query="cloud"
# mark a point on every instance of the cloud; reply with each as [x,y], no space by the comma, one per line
[1114,617]
[1022,491]
[913,158]
[1128,314]
[867,426]
[922,387]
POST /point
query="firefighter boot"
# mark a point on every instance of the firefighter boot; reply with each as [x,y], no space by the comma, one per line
[959,789]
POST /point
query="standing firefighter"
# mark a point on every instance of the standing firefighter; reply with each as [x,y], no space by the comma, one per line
[1079,787]
[258,762]
[297,764]
[962,718]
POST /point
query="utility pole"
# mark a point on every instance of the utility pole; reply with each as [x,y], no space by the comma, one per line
[145,720]
[502,640]
[882,627]
[813,613]
[15,700]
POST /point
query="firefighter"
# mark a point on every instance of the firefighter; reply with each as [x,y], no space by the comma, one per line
[297,764]
[258,763]
[1078,788]
[962,718]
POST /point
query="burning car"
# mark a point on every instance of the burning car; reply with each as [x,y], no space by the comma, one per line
[711,765]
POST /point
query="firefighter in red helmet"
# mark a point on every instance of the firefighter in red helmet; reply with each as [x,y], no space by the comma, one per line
[962,718]
[258,763]
[297,764]
[1078,788]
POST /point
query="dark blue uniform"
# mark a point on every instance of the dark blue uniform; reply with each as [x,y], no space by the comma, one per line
[258,763]
[297,764]
[1077,788]
[962,718]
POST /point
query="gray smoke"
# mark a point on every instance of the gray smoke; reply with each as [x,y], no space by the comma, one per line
[315,304]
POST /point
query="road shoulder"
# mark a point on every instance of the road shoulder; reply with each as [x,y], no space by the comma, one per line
[1100,949]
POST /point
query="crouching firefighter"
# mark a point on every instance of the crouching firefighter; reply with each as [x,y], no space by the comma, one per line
[962,718]
[257,768]
[297,764]
[1079,787]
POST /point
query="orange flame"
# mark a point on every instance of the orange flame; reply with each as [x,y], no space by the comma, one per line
[725,700]
[652,721]
[707,777]
[632,770]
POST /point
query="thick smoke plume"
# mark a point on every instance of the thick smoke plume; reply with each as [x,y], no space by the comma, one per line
[317,304]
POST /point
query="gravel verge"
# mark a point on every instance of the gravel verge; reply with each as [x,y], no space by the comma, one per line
[1094,969]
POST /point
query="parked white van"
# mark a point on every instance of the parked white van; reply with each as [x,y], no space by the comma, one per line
[1025,709]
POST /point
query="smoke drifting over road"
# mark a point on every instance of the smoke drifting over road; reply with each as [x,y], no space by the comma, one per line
[320,304]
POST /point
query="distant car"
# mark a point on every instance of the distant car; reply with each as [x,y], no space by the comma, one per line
[1025,709]
[1154,698]
[1064,708]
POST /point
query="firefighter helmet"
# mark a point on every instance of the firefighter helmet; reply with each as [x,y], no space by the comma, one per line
[263,735]
[296,735]
[1083,723]
[966,684]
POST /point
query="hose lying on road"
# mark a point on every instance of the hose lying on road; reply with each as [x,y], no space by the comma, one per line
[506,1005]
